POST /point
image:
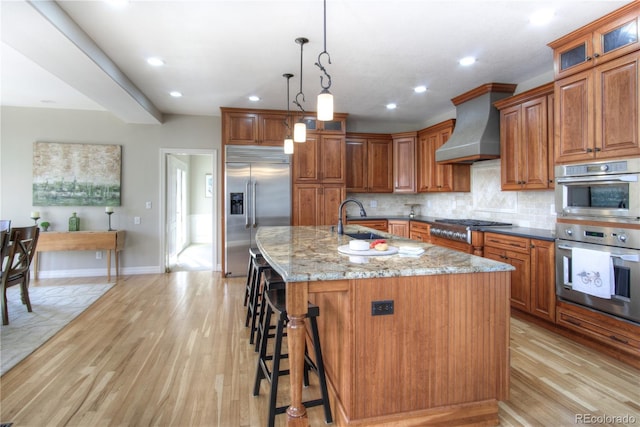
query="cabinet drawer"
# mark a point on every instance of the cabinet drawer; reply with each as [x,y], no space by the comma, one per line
[605,329]
[421,236]
[511,243]
[376,224]
[422,227]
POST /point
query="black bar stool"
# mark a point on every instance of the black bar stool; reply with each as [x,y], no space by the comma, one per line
[271,280]
[275,304]
[253,253]
[260,265]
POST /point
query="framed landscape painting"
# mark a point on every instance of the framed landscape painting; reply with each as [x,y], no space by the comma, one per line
[66,174]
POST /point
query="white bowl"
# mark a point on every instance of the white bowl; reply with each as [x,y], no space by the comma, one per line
[358,245]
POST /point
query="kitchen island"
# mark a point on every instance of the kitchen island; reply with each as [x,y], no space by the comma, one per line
[406,340]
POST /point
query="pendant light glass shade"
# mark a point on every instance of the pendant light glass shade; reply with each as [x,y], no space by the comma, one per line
[325,105]
[288,146]
[300,132]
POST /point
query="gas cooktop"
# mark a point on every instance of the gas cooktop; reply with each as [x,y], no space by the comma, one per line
[474,222]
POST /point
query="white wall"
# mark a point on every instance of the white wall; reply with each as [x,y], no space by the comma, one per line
[200,206]
[140,180]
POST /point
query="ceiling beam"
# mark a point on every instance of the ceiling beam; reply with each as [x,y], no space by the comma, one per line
[59,42]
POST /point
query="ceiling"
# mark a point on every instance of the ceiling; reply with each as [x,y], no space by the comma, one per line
[90,55]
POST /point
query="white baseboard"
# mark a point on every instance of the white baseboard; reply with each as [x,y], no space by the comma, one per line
[94,272]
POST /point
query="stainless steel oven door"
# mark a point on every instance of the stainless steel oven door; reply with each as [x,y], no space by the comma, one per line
[626,262]
[616,196]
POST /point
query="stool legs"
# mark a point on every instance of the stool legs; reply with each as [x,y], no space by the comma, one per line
[247,289]
[263,372]
[319,365]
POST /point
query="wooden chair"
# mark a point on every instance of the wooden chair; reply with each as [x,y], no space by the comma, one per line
[5,224]
[19,254]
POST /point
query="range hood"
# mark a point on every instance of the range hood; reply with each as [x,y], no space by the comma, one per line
[477,132]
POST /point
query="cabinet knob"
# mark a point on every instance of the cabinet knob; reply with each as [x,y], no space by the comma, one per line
[589,150]
[588,58]
[596,55]
[597,149]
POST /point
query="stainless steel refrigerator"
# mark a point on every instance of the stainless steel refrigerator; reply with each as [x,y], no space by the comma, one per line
[258,193]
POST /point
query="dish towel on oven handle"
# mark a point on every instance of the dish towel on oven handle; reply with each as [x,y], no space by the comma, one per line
[592,272]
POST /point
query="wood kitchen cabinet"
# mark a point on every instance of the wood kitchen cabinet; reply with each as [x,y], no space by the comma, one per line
[616,337]
[533,280]
[370,160]
[336,126]
[526,140]
[404,162]
[605,39]
[597,112]
[321,159]
[317,204]
[433,177]
[319,172]
[376,224]
[597,89]
[253,127]
[399,227]
[420,231]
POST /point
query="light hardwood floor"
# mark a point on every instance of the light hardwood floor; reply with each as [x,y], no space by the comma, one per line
[172,350]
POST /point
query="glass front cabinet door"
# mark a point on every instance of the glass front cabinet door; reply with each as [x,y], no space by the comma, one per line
[611,40]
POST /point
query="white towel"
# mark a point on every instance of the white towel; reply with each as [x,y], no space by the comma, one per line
[410,250]
[592,272]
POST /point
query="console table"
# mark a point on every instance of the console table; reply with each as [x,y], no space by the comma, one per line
[81,241]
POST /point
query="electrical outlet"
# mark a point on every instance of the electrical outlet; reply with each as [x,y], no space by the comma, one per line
[381,308]
[373,204]
[147,205]
[136,220]
[98,254]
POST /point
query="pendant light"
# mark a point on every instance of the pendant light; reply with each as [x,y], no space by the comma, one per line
[300,128]
[288,142]
[325,99]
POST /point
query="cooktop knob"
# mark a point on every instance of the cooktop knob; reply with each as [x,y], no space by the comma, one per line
[622,237]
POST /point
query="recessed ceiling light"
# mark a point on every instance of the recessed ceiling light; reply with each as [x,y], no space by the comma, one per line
[175,94]
[467,60]
[254,98]
[391,106]
[156,62]
[542,17]
[420,89]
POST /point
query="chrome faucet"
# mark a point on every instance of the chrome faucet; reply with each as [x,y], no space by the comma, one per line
[344,202]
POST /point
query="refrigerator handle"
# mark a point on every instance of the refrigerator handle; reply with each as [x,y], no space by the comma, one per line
[246,211]
[253,201]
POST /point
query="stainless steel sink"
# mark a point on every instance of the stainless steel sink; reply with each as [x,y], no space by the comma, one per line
[365,236]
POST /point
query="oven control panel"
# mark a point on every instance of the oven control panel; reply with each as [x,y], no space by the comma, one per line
[610,236]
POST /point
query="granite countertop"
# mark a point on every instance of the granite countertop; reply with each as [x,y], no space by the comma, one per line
[531,233]
[310,253]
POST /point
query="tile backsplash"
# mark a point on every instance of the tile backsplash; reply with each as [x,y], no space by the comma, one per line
[486,200]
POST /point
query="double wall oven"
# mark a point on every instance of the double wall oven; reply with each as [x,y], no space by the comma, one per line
[598,236]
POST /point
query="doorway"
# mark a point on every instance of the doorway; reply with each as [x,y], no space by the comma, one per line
[189,210]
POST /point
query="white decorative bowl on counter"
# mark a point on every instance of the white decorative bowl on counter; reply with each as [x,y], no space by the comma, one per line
[359,245]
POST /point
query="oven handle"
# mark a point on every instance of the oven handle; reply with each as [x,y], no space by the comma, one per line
[598,179]
[629,257]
